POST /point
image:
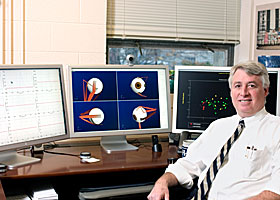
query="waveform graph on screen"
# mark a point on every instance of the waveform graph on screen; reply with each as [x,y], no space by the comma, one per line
[32,100]
[3,116]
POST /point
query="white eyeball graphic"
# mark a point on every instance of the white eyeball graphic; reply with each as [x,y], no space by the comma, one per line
[98,85]
[98,116]
[139,114]
[138,85]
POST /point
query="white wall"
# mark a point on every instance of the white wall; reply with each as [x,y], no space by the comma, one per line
[53,31]
[246,50]
[74,31]
[242,51]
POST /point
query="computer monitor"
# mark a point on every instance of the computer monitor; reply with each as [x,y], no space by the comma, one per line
[202,95]
[113,101]
[33,110]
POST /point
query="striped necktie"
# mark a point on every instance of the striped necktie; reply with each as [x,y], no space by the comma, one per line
[216,164]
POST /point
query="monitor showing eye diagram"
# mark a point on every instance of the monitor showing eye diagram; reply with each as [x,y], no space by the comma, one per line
[119,100]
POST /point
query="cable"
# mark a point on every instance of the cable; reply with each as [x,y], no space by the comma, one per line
[60,153]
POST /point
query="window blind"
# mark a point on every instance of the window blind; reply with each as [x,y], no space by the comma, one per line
[178,20]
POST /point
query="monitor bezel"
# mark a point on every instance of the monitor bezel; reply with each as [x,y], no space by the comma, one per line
[119,132]
[26,144]
[179,68]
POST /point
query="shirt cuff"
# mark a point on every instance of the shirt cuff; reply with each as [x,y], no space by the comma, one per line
[184,171]
[273,185]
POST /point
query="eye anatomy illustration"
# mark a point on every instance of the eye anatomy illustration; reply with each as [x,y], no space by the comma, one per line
[140,114]
[94,86]
[94,116]
[112,99]
[138,85]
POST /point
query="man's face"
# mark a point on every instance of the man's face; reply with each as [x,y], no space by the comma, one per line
[247,93]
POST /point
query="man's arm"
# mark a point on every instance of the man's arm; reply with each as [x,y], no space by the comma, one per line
[266,195]
[160,189]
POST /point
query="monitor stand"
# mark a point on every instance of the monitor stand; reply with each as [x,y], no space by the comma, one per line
[12,159]
[116,143]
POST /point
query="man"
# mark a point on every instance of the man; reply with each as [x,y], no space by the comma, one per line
[252,167]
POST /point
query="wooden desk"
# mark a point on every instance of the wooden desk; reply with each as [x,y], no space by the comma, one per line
[2,194]
[67,173]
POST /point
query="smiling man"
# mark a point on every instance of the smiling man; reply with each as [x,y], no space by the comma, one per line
[250,169]
[248,91]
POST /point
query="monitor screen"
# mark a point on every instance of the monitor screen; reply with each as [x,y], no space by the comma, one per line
[32,107]
[202,95]
[119,100]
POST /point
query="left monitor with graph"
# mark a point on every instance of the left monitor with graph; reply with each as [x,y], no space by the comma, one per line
[33,110]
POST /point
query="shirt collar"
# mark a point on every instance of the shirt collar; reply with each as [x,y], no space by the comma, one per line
[257,117]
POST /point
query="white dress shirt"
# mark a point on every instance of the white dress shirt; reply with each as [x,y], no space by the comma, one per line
[253,163]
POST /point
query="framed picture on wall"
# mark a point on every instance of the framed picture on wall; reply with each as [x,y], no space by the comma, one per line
[268,26]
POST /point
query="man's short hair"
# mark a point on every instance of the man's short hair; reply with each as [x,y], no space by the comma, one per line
[251,68]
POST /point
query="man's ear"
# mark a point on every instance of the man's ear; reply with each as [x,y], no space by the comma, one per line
[266,91]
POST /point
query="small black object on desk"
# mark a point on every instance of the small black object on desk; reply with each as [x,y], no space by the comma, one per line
[171,160]
[85,155]
[156,146]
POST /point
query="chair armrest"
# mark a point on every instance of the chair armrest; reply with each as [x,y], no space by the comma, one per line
[180,193]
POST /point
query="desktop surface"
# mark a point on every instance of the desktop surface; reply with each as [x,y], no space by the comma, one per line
[60,165]
[69,173]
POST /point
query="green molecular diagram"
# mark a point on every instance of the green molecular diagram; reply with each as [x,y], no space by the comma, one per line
[215,104]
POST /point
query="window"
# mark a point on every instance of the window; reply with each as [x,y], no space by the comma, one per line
[179,32]
[169,53]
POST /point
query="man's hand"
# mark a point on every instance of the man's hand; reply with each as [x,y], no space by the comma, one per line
[160,190]
[266,195]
